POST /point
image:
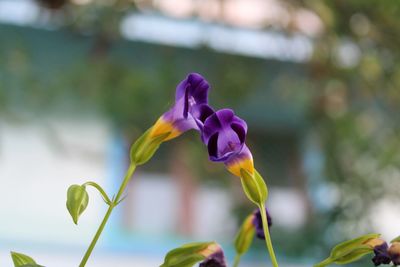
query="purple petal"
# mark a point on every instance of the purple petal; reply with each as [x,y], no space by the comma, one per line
[199,88]
[240,127]
[212,146]
[225,117]
[190,109]
[186,104]
[205,111]
[200,113]
[240,132]
[196,86]
[216,122]
[231,134]
[228,142]
[211,125]
[174,116]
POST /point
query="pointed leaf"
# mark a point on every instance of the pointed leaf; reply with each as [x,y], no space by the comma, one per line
[77,201]
[22,260]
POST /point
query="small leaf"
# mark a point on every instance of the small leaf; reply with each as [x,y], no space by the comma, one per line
[21,260]
[397,239]
[145,147]
[186,255]
[77,201]
[245,236]
[254,186]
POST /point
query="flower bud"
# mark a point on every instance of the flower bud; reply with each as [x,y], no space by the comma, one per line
[214,256]
[380,248]
[257,221]
[209,253]
[77,201]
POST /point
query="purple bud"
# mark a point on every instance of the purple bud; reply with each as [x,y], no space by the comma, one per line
[381,255]
[380,248]
[257,222]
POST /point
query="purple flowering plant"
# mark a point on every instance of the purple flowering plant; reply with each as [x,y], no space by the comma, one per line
[224,135]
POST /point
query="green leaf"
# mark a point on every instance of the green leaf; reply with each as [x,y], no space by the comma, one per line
[254,186]
[245,236]
[145,147]
[21,260]
[77,201]
[349,251]
[186,255]
[397,239]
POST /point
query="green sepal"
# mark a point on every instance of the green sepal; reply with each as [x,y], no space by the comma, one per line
[397,239]
[354,255]
[254,186]
[22,260]
[145,147]
[186,255]
[349,245]
[77,201]
[245,236]
[349,251]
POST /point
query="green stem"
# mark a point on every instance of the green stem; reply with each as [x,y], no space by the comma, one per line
[267,236]
[115,201]
[236,261]
[101,191]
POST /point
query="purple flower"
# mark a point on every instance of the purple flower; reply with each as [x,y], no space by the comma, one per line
[394,253]
[189,111]
[216,259]
[225,135]
[257,222]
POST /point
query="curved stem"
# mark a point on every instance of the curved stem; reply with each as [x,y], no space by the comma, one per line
[267,236]
[101,191]
[113,203]
[236,260]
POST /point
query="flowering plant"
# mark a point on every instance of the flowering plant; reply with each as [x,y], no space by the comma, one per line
[224,135]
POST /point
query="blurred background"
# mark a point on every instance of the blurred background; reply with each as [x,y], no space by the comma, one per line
[317,81]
